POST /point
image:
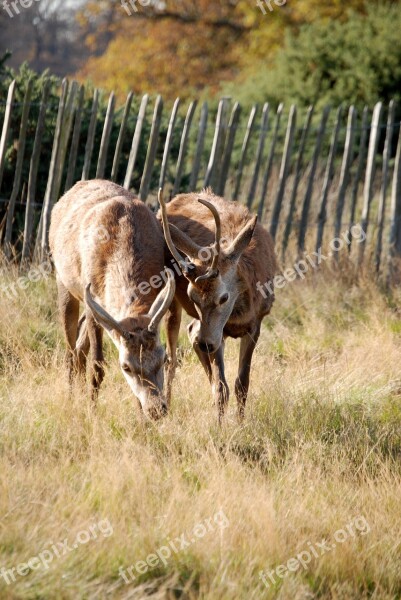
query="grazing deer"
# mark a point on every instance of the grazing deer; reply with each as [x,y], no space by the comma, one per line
[106,246]
[221,294]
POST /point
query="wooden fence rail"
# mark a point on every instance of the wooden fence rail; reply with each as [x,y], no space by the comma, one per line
[304,182]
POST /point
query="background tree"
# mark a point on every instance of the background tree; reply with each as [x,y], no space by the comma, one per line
[47,35]
[329,62]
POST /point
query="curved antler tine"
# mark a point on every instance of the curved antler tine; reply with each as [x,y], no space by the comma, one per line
[162,302]
[166,230]
[102,316]
[217,238]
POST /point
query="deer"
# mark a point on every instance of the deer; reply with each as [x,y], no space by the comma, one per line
[226,256]
[106,246]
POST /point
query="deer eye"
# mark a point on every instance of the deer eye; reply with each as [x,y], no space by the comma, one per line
[223,299]
[125,367]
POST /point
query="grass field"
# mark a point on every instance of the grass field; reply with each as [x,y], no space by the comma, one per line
[308,490]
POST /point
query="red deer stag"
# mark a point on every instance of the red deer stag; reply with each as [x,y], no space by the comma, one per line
[221,293]
[106,246]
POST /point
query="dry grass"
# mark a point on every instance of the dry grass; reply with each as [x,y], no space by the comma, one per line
[321,444]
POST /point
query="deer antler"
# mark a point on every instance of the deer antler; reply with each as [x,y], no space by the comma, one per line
[167,234]
[212,270]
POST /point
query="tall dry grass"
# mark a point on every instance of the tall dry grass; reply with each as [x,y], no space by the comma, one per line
[321,445]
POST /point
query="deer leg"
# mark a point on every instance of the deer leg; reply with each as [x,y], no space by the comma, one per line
[248,344]
[69,313]
[95,334]
[220,388]
[204,358]
[172,321]
[82,346]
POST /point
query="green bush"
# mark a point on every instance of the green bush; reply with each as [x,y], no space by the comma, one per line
[357,61]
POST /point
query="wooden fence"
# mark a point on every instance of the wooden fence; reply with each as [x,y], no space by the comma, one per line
[310,177]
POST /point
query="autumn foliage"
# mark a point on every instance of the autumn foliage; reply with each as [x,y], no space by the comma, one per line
[180,47]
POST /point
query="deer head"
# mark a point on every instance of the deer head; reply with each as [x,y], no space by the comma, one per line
[141,354]
[213,283]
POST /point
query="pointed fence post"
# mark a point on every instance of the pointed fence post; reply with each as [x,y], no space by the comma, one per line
[152,147]
[311,181]
[90,141]
[213,167]
[370,174]
[297,179]
[394,251]
[18,169]
[135,142]
[232,131]
[200,143]
[105,142]
[269,167]
[168,142]
[345,172]
[121,136]
[284,169]
[328,180]
[6,128]
[33,174]
[183,146]
[72,161]
[384,186]
[359,171]
[264,125]
[244,151]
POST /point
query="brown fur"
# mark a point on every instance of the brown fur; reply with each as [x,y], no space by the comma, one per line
[257,263]
[102,235]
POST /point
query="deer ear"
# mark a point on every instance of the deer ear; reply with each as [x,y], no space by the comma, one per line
[241,242]
[184,243]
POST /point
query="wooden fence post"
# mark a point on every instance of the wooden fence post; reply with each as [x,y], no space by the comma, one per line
[244,151]
[358,175]
[41,240]
[152,147]
[168,142]
[297,179]
[345,172]
[105,142]
[232,130]
[311,180]
[328,179]
[183,146]
[18,169]
[212,171]
[384,186]
[6,128]
[270,159]
[33,174]
[200,142]
[284,169]
[91,137]
[395,226]
[121,136]
[72,161]
[264,125]
[63,129]
[370,174]
[135,142]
